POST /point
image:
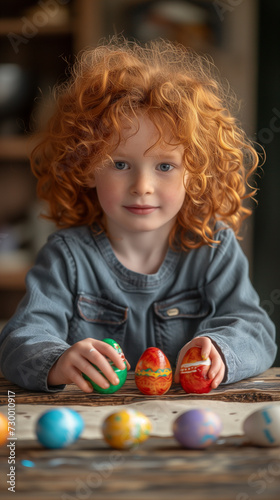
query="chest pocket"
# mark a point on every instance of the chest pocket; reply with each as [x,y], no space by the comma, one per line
[177,319]
[100,318]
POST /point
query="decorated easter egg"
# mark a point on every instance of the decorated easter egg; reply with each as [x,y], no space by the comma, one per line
[153,373]
[262,427]
[193,372]
[3,429]
[126,428]
[58,428]
[121,374]
[197,428]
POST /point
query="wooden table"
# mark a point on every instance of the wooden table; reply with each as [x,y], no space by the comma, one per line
[158,469]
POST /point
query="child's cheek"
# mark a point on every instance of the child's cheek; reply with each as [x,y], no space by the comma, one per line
[175,196]
[109,199]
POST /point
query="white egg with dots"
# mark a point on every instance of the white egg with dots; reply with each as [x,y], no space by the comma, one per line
[262,427]
[59,427]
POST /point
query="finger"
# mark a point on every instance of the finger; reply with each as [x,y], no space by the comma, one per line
[106,373]
[79,364]
[205,344]
[80,382]
[76,363]
[216,364]
[218,378]
[128,365]
[109,351]
[217,370]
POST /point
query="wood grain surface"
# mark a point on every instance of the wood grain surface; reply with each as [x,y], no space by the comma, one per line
[159,469]
[265,387]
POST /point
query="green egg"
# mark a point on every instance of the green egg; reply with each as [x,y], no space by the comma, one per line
[121,374]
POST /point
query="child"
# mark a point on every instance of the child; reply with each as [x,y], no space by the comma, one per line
[145,172]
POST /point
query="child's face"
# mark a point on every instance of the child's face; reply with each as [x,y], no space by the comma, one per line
[141,190]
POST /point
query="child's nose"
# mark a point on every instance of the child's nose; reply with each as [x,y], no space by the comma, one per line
[142,184]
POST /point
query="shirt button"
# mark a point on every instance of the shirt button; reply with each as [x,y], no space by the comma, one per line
[173,312]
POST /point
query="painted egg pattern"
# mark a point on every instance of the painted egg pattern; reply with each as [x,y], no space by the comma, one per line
[121,374]
[153,373]
[3,429]
[193,372]
[263,426]
[126,428]
[197,429]
[59,427]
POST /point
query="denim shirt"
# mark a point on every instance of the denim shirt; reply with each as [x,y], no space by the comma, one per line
[78,289]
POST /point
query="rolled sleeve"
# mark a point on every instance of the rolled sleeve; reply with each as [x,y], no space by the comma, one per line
[37,333]
[242,330]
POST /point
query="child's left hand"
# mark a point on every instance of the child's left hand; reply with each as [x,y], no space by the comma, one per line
[208,350]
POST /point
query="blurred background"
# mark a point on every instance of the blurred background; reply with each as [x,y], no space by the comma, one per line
[39,39]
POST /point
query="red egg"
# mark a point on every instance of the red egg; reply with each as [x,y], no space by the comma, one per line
[153,373]
[193,372]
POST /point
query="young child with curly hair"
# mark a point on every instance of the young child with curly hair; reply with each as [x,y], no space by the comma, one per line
[145,171]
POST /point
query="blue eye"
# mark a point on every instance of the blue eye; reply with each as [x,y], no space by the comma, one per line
[165,167]
[121,165]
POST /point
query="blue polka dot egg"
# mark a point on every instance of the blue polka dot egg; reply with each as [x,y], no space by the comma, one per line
[58,428]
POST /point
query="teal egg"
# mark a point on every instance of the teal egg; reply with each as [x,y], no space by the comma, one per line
[121,374]
[59,427]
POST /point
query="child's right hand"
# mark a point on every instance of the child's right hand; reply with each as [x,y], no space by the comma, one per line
[77,360]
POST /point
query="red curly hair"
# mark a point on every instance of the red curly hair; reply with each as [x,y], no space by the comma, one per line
[177,89]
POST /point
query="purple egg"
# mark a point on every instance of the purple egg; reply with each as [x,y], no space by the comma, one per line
[197,428]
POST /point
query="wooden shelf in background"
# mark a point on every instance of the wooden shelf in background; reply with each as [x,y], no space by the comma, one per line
[13,280]
[16,147]
[15,26]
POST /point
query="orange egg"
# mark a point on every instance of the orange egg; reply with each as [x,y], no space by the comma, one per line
[193,372]
[153,373]
[3,429]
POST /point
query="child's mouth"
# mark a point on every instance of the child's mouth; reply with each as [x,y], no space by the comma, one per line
[140,209]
